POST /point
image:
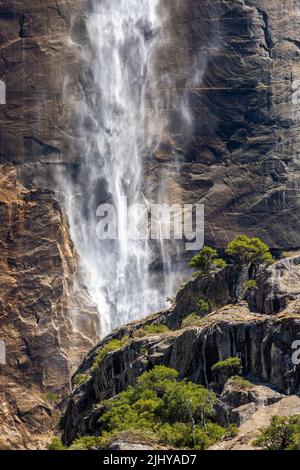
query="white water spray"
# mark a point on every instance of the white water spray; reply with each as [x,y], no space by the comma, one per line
[121,126]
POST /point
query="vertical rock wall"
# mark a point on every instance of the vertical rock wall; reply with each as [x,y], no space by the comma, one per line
[231,67]
[231,71]
[46,319]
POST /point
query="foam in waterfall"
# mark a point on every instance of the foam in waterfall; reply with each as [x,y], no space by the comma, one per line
[120,127]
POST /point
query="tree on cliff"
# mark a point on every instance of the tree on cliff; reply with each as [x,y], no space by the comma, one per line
[159,407]
[245,250]
[206,260]
[283,433]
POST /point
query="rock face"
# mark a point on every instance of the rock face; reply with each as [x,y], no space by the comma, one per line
[264,342]
[264,345]
[37,300]
[278,287]
[236,64]
[240,402]
[277,290]
[249,430]
[235,70]
[46,318]
[36,52]
[232,65]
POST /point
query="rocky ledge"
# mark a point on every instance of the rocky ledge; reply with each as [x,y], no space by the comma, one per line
[262,340]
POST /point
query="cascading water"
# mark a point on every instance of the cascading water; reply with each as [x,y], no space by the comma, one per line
[120,128]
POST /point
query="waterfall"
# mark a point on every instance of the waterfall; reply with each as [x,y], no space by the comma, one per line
[120,125]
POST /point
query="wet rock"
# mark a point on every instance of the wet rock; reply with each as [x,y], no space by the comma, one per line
[233,66]
[37,298]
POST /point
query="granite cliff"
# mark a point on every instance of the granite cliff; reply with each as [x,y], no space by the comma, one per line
[236,63]
[263,340]
[46,318]
[39,299]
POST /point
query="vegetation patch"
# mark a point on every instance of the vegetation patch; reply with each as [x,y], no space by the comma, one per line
[51,397]
[250,285]
[283,433]
[195,318]
[89,443]
[203,307]
[143,351]
[80,379]
[206,260]
[288,254]
[239,384]
[56,444]
[179,435]
[163,409]
[231,431]
[191,320]
[231,366]
[111,346]
[151,330]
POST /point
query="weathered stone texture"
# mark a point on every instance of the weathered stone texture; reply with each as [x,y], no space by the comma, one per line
[235,64]
[42,303]
[37,300]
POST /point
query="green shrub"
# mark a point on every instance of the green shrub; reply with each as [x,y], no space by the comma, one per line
[191,320]
[173,412]
[183,400]
[245,250]
[79,379]
[203,307]
[151,330]
[159,408]
[157,377]
[176,435]
[208,436]
[206,260]
[231,431]
[51,397]
[250,285]
[89,443]
[231,366]
[56,444]
[182,435]
[240,384]
[111,346]
[283,433]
